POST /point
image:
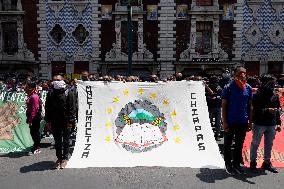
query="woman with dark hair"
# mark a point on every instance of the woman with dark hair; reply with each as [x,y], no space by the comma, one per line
[33,114]
[266,119]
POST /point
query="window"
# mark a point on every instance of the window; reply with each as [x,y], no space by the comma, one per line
[10,38]
[9,5]
[80,34]
[203,37]
[204,2]
[124,38]
[57,33]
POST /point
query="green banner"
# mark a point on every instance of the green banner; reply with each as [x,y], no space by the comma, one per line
[14,132]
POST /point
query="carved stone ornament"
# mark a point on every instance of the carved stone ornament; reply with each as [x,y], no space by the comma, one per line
[81,55]
[276,55]
[80,6]
[145,55]
[277,5]
[56,6]
[255,5]
[57,56]
[28,55]
[253,34]
[276,33]
[252,55]
[222,54]
[185,55]
[115,54]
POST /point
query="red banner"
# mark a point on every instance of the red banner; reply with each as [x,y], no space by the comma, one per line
[277,154]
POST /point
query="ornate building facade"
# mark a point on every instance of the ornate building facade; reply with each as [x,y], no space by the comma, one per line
[18,53]
[259,43]
[188,36]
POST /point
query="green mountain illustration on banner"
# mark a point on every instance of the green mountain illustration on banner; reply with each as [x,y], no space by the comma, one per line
[141,114]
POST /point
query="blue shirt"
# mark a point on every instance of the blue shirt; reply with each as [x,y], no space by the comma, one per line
[237,103]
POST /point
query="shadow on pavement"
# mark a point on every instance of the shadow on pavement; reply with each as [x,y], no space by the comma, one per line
[39,166]
[212,175]
[15,154]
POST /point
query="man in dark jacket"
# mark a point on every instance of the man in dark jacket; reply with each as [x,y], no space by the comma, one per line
[266,117]
[214,103]
[60,112]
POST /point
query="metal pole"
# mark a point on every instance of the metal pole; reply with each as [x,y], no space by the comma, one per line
[129,38]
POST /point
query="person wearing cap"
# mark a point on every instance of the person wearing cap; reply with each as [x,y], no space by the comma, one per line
[33,114]
[266,120]
[237,119]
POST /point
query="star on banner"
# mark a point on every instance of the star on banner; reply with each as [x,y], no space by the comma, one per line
[153,95]
[115,100]
[174,113]
[140,91]
[176,128]
[107,138]
[126,92]
[166,102]
[108,125]
[177,140]
[109,110]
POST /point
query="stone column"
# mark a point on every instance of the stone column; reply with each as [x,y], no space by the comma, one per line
[96,32]
[45,66]
[263,66]
[118,33]
[167,38]
[192,35]
[140,34]
[215,33]
[69,66]
[238,27]
[19,5]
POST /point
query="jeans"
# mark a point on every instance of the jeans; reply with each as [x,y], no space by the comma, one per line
[269,134]
[237,132]
[216,113]
[34,130]
[61,136]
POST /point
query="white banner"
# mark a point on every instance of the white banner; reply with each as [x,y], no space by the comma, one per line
[144,124]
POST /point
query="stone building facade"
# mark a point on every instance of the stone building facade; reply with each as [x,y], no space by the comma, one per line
[188,36]
[259,42]
[18,37]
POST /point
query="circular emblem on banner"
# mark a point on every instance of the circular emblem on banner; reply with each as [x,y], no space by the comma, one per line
[140,127]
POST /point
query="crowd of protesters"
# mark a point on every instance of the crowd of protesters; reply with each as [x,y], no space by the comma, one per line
[233,110]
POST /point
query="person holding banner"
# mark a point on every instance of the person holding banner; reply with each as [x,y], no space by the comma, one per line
[237,119]
[33,114]
[60,113]
[266,119]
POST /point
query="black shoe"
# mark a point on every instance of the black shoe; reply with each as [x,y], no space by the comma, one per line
[252,167]
[238,170]
[268,166]
[230,170]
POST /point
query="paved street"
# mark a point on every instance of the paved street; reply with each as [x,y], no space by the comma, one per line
[19,171]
